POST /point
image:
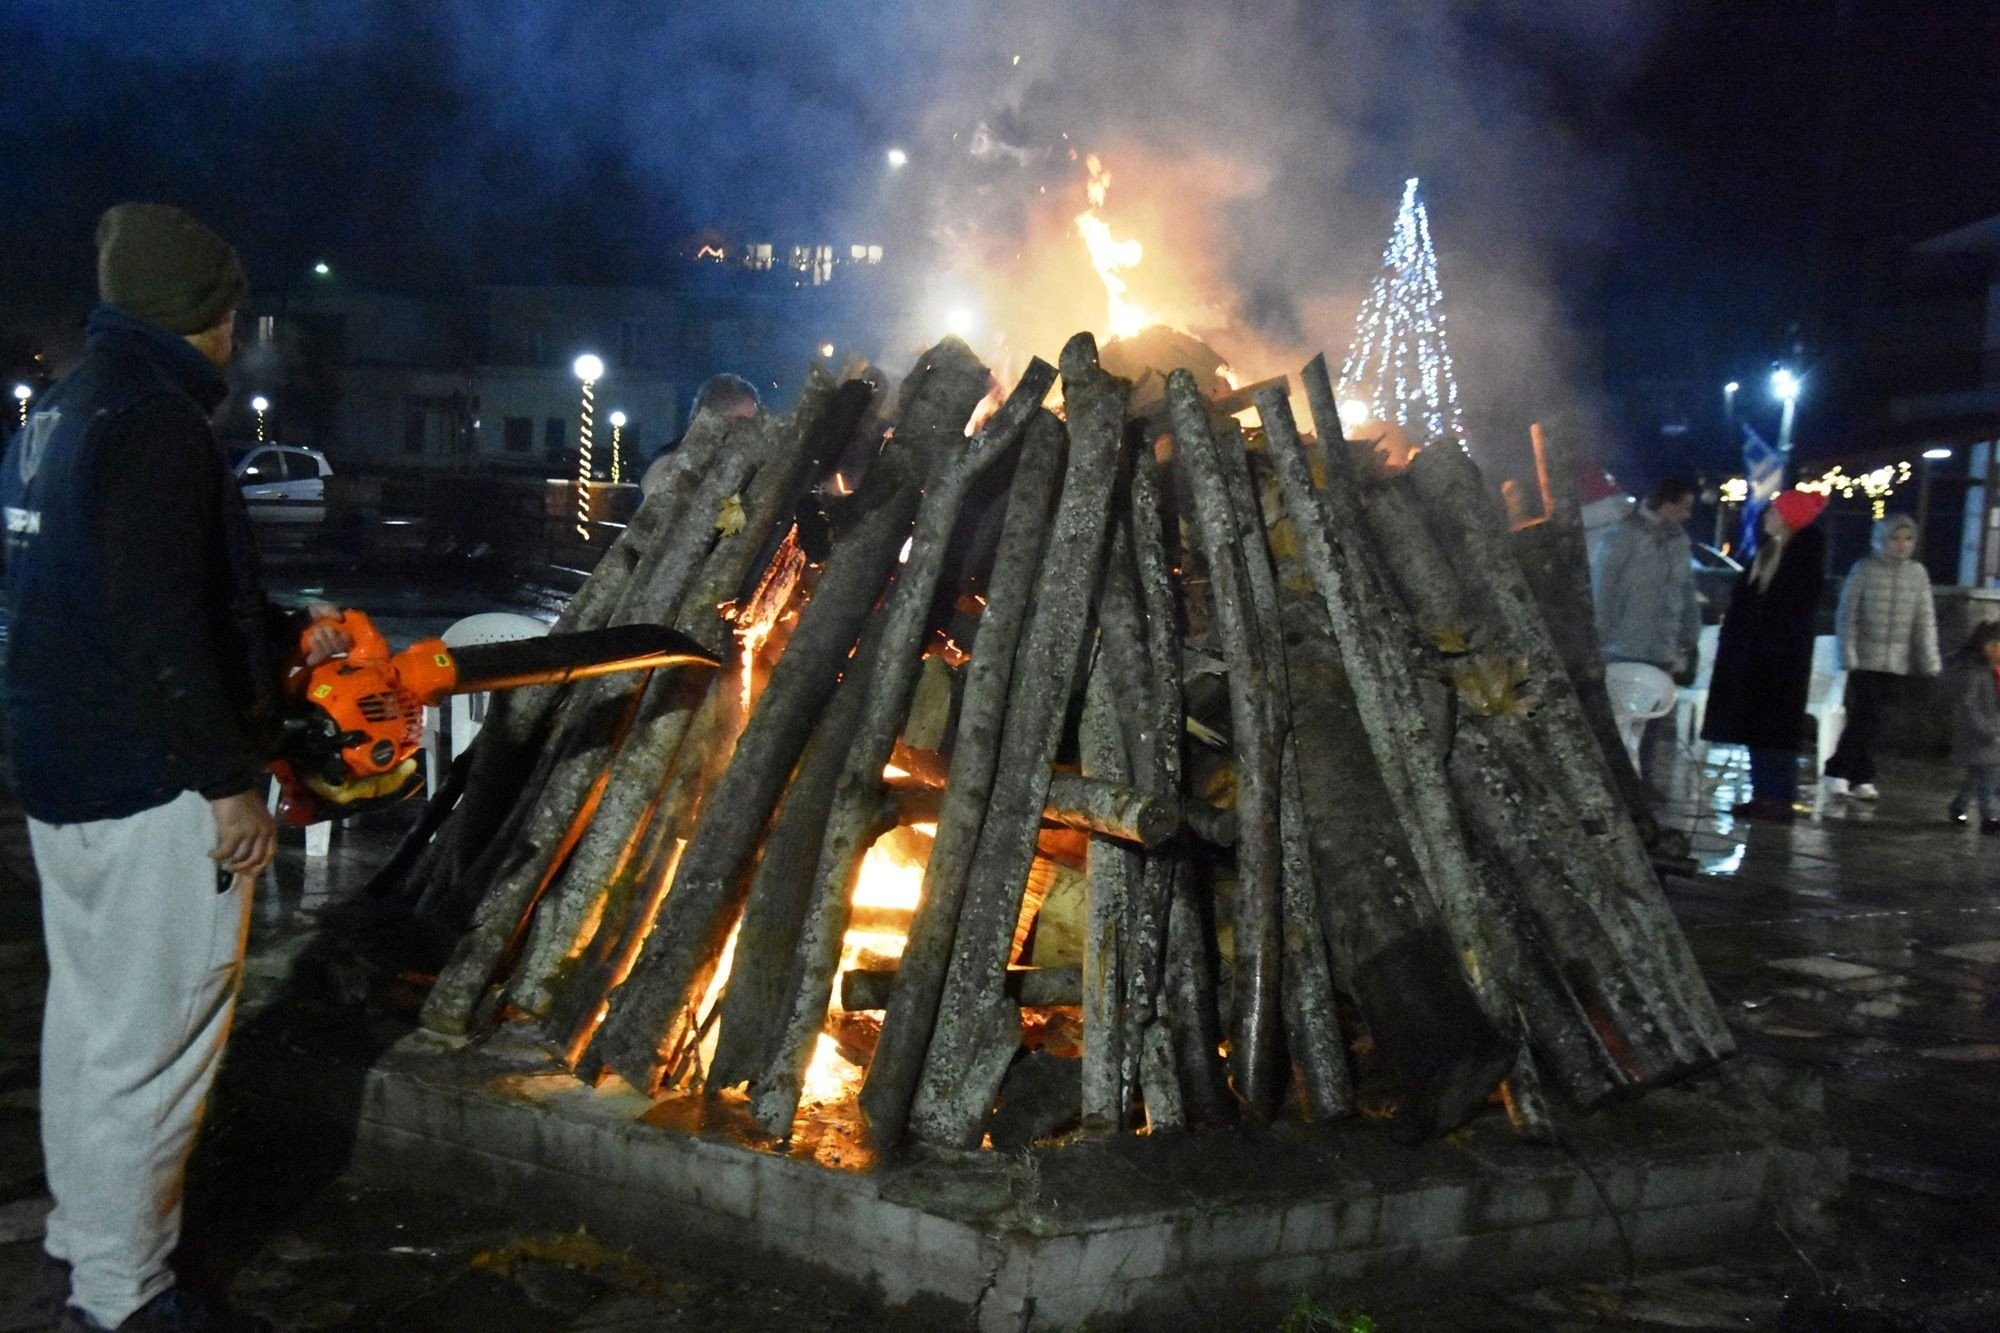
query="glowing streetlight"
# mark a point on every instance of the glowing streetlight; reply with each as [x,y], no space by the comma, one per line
[260,405]
[959,321]
[1785,388]
[589,369]
[826,351]
[22,393]
[322,269]
[1729,400]
[617,433]
[1937,453]
[898,158]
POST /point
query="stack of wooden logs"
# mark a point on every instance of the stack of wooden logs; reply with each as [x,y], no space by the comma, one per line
[1342,812]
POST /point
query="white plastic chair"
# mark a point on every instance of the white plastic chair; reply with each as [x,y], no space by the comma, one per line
[1691,701]
[449,730]
[1826,700]
[1639,693]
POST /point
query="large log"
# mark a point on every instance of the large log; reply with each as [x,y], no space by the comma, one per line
[1311,1021]
[1379,653]
[898,1062]
[1259,960]
[854,820]
[1525,815]
[1028,987]
[1089,805]
[1158,769]
[1634,909]
[650,1013]
[968,1051]
[1442,1054]
[1110,870]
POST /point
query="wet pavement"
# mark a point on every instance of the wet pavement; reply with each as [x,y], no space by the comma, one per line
[1858,959]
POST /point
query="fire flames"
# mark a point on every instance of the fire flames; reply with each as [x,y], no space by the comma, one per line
[1110,256]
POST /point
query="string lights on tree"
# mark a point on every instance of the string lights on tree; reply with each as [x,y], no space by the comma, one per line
[1398,369]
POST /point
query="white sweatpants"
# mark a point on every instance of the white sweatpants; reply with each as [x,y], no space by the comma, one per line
[144,962]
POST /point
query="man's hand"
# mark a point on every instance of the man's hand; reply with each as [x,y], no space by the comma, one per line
[246,837]
[324,641]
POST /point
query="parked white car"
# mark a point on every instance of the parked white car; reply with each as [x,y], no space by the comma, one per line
[283,483]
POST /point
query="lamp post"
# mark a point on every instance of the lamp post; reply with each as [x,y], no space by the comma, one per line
[589,369]
[22,393]
[1924,496]
[617,433]
[260,405]
[1729,400]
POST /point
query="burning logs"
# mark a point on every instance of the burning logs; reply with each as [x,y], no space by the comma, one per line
[1397,834]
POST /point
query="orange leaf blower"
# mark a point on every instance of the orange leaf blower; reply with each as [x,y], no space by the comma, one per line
[351,726]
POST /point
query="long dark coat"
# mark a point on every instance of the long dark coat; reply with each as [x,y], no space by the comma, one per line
[1763,657]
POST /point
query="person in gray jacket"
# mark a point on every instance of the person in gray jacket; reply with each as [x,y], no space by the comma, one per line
[1888,630]
[1647,607]
[1975,727]
[1643,586]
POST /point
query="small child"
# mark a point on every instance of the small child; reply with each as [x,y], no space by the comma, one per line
[1975,726]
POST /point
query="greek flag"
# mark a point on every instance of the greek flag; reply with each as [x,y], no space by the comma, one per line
[1764,470]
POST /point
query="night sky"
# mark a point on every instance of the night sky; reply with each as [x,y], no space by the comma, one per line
[1623,193]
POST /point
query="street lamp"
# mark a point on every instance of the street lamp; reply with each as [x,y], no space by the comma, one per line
[22,393]
[617,432]
[260,405]
[589,369]
[1729,400]
[1924,493]
[1785,388]
[898,158]
[322,269]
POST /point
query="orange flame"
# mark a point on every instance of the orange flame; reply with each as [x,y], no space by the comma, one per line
[1111,256]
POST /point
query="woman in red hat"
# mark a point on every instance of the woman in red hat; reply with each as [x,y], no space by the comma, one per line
[1763,657]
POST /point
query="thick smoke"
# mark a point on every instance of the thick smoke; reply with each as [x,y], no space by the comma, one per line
[579,142]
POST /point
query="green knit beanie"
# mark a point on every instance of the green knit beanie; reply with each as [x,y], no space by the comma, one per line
[157,263]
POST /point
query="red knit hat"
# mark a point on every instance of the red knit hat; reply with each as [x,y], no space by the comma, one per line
[1798,508]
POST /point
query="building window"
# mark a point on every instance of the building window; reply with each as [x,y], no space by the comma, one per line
[267,329]
[555,435]
[757,257]
[518,434]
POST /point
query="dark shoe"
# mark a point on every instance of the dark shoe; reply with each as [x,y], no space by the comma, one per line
[1989,826]
[50,1294]
[175,1310]
[1958,814]
[1770,812]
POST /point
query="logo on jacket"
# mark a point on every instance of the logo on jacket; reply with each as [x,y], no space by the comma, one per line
[34,440]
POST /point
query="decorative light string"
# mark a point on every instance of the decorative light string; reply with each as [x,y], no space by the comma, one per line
[1399,364]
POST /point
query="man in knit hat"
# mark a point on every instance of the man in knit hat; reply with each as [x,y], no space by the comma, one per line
[138,683]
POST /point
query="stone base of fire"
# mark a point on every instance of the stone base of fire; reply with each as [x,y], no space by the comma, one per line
[1226,1228]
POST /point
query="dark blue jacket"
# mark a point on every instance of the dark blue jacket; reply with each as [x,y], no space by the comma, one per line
[143,656]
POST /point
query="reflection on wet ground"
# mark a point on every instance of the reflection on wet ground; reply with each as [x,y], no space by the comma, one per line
[1862,947]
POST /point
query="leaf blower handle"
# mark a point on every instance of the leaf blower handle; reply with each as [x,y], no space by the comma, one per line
[365,642]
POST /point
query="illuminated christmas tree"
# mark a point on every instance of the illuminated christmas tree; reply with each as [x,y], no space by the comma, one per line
[1398,370]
